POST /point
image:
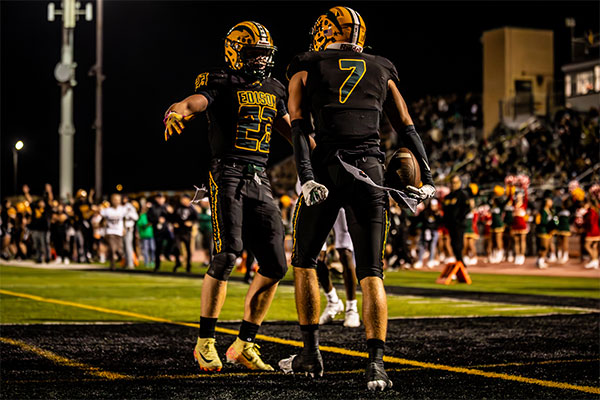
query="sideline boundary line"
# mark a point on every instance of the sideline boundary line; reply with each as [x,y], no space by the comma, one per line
[331,349]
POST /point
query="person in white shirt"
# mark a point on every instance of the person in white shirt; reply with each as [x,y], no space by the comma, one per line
[115,227]
[131,217]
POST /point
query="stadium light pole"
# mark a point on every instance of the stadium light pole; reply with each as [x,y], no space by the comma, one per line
[65,75]
[570,23]
[97,70]
[18,147]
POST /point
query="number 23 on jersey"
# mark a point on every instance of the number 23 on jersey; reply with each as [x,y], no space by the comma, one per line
[255,118]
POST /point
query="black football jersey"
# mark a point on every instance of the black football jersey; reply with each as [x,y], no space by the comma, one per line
[346,91]
[240,114]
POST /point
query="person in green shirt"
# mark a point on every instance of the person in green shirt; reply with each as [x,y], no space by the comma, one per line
[146,237]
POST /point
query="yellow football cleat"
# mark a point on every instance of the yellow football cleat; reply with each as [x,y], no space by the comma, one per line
[206,355]
[247,354]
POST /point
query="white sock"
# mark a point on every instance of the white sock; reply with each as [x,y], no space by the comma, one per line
[352,305]
[332,296]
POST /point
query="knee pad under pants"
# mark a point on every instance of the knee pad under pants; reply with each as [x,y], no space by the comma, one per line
[221,266]
[277,272]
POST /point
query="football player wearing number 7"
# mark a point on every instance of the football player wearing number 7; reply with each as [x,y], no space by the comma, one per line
[243,104]
[345,91]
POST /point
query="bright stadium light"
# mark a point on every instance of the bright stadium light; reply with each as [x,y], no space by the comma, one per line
[15,152]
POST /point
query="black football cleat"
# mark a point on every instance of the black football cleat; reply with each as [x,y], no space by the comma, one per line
[376,376]
[310,364]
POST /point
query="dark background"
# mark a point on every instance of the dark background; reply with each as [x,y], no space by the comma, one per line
[153,51]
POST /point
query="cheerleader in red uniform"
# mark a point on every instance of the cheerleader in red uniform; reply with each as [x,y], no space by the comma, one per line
[591,228]
[519,226]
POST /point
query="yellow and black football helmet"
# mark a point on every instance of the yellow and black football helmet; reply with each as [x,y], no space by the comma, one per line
[249,49]
[339,28]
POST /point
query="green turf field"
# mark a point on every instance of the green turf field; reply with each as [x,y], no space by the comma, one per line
[177,298]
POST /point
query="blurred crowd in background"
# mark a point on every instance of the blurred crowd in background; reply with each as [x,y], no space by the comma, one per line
[506,224]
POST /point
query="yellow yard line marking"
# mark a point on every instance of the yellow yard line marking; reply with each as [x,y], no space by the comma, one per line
[521,364]
[217,375]
[60,360]
[331,349]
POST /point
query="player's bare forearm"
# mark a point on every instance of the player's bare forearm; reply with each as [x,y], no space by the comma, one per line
[193,104]
[296,87]
[396,109]
[283,125]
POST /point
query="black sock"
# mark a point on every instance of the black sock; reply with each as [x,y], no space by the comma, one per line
[375,348]
[207,327]
[248,331]
[310,337]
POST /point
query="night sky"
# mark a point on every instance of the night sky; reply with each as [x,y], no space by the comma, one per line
[153,51]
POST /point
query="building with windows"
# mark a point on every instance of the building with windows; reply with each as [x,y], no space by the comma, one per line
[582,84]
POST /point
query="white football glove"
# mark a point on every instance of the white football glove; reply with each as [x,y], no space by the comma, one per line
[423,193]
[314,193]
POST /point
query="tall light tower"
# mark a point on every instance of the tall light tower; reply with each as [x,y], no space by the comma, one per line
[65,75]
[97,70]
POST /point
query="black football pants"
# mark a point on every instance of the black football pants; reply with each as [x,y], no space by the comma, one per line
[366,213]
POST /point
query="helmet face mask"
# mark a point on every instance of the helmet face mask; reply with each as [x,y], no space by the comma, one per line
[249,49]
[339,28]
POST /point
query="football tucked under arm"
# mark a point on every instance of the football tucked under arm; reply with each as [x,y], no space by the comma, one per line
[397,112]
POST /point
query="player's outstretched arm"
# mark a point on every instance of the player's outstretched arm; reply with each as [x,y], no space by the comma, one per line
[397,112]
[314,193]
[183,111]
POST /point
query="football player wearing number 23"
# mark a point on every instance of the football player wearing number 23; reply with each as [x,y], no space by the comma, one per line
[344,91]
[243,105]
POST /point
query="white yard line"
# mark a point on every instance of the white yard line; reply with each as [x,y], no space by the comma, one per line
[34,265]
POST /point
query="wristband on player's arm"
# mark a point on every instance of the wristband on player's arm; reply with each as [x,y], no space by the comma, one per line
[300,130]
[415,144]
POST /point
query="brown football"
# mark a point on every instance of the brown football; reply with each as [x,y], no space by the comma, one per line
[405,168]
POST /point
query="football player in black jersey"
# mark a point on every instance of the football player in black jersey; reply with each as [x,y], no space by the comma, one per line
[243,104]
[344,91]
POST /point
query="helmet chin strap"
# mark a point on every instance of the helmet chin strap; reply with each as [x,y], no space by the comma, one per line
[345,46]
